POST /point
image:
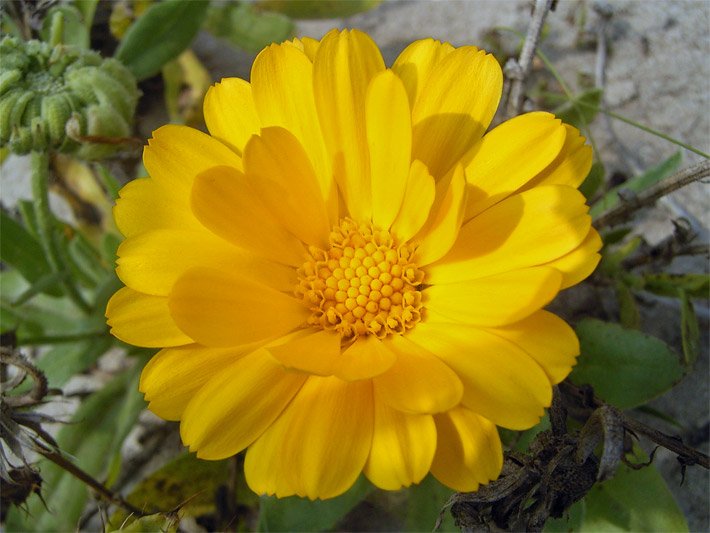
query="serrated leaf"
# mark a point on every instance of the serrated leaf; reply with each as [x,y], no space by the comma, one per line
[633,500]
[582,110]
[19,249]
[636,184]
[301,514]
[424,503]
[664,284]
[593,181]
[689,330]
[87,440]
[318,9]
[625,367]
[248,27]
[160,35]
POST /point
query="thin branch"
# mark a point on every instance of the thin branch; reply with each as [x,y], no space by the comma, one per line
[59,460]
[518,70]
[678,180]
[669,443]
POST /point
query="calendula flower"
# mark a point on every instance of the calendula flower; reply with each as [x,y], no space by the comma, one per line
[347,275]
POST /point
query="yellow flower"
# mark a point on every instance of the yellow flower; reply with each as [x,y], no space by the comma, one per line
[347,275]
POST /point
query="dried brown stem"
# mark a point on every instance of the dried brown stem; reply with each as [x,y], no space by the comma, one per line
[678,180]
[518,70]
[103,491]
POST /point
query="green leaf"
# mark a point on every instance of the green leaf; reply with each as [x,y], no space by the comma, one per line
[625,367]
[165,29]
[424,504]
[663,284]
[629,315]
[64,361]
[318,9]
[689,330]
[19,249]
[633,500]
[300,514]
[87,440]
[75,32]
[572,521]
[248,27]
[87,9]
[636,184]
[593,181]
[616,235]
[188,483]
[582,110]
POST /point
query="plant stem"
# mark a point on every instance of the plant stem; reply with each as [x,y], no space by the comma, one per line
[676,181]
[519,70]
[46,228]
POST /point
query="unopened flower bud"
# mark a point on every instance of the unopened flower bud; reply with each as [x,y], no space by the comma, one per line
[63,98]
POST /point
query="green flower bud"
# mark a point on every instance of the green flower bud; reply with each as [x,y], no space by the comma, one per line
[63,98]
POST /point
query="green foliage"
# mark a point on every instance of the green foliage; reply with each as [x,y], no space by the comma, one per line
[318,9]
[593,181]
[165,30]
[74,29]
[633,500]
[582,109]
[626,368]
[636,185]
[93,437]
[246,26]
[300,514]
[19,249]
[424,504]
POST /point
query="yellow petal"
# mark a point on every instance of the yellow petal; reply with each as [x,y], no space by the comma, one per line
[580,262]
[415,63]
[571,165]
[494,300]
[318,446]
[403,448]
[444,222]
[145,205]
[177,154]
[143,320]
[151,262]
[234,408]
[343,67]
[280,172]
[282,85]
[230,113]
[224,201]
[418,199]
[527,229]
[223,309]
[417,382]
[501,381]
[547,339]
[316,351]
[389,138]
[454,108]
[308,45]
[365,358]
[173,376]
[468,452]
[509,156]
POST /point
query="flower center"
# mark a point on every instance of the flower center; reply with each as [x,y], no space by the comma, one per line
[365,283]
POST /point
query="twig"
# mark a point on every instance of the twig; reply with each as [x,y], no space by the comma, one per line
[583,399]
[669,443]
[676,181]
[59,460]
[518,70]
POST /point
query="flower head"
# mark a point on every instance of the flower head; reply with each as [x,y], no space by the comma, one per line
[60,97]
[348,274]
